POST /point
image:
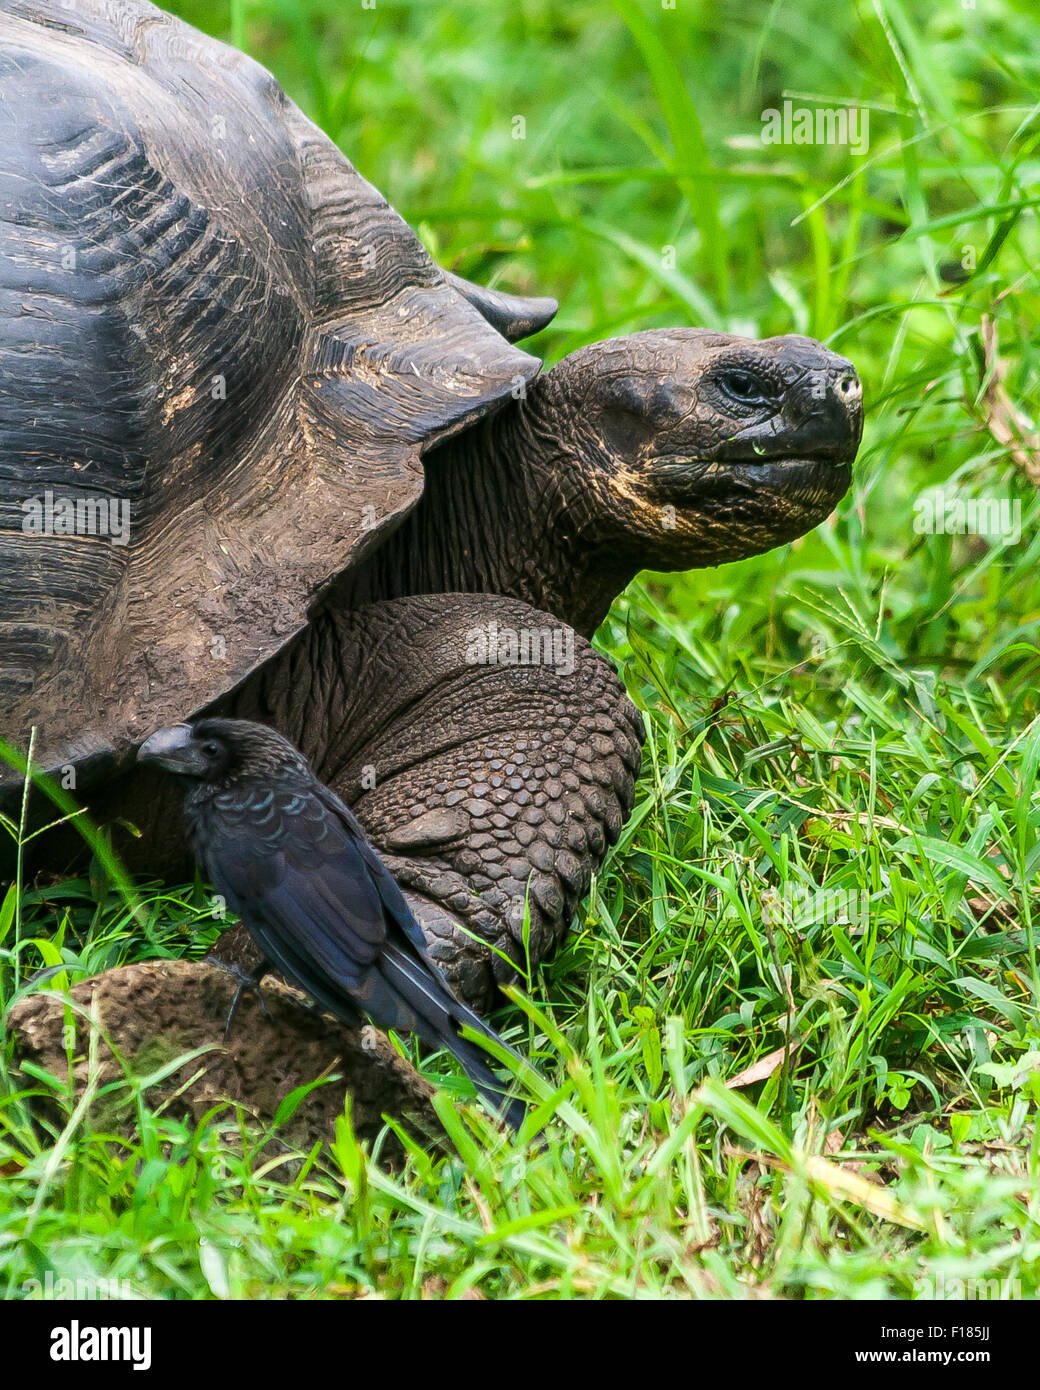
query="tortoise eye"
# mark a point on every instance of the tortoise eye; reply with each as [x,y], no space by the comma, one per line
[743,387]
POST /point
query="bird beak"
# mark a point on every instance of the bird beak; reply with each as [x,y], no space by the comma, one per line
[174,749]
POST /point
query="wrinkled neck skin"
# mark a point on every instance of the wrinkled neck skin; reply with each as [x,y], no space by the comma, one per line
[505,511]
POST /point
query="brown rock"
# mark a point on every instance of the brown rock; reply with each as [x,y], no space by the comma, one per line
[151,1013]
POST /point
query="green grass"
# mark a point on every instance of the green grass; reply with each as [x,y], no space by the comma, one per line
[856,713]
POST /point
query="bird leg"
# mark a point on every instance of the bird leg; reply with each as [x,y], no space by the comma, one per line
[245,980]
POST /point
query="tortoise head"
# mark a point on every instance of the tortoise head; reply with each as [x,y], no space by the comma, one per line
[694,448]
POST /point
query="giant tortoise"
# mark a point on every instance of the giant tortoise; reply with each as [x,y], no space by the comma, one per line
[261,456]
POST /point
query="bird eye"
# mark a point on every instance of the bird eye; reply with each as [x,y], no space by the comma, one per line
[211,750]
[743,387]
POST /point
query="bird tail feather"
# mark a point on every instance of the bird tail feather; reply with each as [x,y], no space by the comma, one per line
[439,1017]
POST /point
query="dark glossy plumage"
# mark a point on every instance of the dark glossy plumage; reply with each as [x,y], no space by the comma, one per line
[291,859]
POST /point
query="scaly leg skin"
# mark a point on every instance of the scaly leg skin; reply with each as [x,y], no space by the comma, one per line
[489,786]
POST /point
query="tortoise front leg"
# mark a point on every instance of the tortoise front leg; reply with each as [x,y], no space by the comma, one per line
[490,753]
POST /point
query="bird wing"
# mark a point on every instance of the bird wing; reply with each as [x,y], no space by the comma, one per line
[295,875]
[386,885]
[419,981]
[325,910]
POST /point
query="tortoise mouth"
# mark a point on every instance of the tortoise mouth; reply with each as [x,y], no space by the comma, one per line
[797,478]
[827,478]
[729,509]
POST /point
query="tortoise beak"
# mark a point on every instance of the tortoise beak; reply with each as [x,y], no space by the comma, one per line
[174,749]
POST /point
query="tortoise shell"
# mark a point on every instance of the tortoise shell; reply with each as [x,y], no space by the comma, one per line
[223,356]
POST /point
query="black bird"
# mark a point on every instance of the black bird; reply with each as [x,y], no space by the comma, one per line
[292,860]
